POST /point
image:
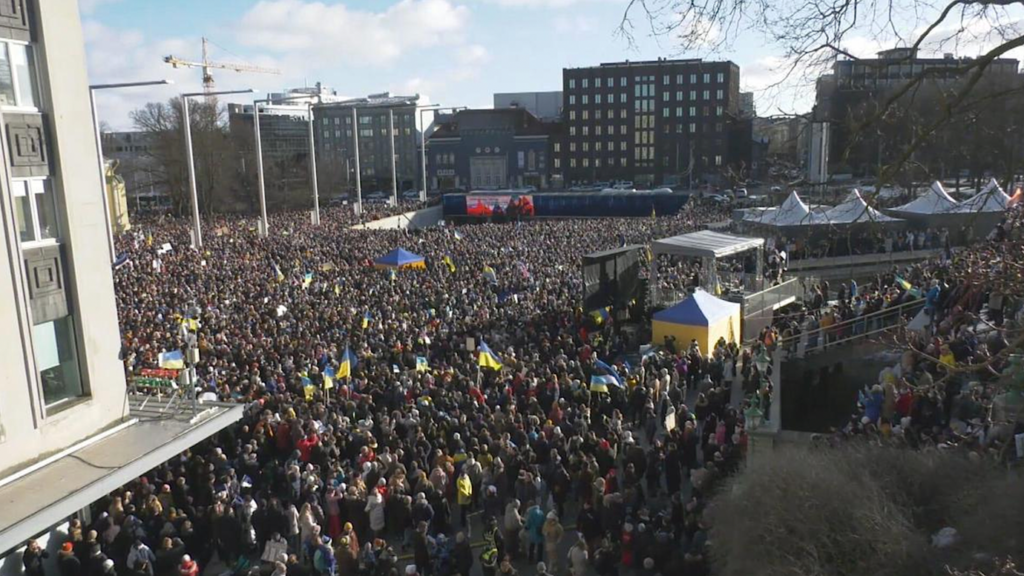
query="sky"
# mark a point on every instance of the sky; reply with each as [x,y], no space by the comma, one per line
[451,52]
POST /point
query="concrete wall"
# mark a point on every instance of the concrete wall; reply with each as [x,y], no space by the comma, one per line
[424,218]
[27,431]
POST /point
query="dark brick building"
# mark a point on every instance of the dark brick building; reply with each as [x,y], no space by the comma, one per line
[661,122]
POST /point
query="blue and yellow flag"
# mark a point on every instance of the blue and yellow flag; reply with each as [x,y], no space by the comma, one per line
[490,275]
[278,276]
[421,364]
[487,358]
[458,235]
[600,383]
[366,319]
[448,262]
[348,364]
[601,315]
[328,378]
[307,280]
[391,274]
[174,360]
[903,283]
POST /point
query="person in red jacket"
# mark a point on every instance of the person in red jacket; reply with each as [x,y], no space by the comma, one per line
[306,445]
[188,567]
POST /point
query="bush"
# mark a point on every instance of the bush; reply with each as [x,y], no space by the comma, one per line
[859,510]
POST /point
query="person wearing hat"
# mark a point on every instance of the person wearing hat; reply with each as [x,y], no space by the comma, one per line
[188,567]
[32,559]
[534,531]
[67,563]
[553,533]
[464,488]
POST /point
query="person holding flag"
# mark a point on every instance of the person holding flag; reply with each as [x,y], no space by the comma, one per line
[348,364]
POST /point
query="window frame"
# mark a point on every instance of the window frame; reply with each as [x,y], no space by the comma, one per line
[24,184]
[33,66]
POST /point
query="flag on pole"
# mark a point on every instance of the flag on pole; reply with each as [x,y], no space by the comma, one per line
[278,275]
[348,364]
[448,262]
[458,235]
[328,378]
[903,283]
[307,279]
[173,360]
[487,358]
[366,319]
[421,364]
[601,315]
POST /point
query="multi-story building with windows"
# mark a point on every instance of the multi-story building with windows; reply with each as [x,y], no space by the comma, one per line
[855,87]
[488,149]
[652,122]
[132,154]
[335,142]
[70,431]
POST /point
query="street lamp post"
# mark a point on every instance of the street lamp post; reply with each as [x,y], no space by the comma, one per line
[423,148]
[187,124]
[264,225]
[312,166]
[391,148]
[355,148]
[99,148]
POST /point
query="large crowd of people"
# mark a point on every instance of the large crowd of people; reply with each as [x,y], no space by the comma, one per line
[413,458]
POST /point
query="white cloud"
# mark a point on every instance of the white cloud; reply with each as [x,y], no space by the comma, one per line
[574,24]
[327,33]
[543,3]
[87,7]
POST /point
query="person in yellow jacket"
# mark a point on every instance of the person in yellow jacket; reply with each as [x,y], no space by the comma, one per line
[464,487]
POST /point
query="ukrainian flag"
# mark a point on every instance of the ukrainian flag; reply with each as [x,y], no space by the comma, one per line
[608,371]
[600,382]
[328,378]
[487,358]
[448,262]
[348,364]
[903,283]
[173,360]
[307,280]
[458,235]
[278,276]
[490,275]
[601,315]
[366,319]
[422,365]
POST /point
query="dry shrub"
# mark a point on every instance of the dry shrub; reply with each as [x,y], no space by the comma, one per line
[861,510]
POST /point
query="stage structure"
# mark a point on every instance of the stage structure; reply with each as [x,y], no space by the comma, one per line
[611,277]
[709,247]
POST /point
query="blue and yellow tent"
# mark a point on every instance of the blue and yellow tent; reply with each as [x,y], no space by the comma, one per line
[400,258]
[701,317]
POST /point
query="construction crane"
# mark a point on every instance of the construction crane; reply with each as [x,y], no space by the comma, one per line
[208,64]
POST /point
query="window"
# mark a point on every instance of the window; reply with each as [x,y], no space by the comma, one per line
[664,96]
[326,120]
[586,99]
[597,162]
[57,360]
[597,114]
[17,76]
[572,99]
[586,83]
[622,81]
[719,94]
[693,78]
[611,129]
[597,98]
[572,130]
[707,94]
[679,78]
[679,111]
[665,112]
[693,111]
[572,146]
[597,82]
[611,98]
[558,147]
[679,95]
[558,163]
[666,79]
[679,128]
[718,126]
[586,162]
[34,210]
[586,114]
[721,77]
[572,83]
[718,110]
[337,133]
[597,146]
[707,78]
[572,114]
[693,127]
[718,160]
[693,94]
[611,146]
[348,121]
[586,146]
[597,130]
[636,90]
[586,131]
[572,162]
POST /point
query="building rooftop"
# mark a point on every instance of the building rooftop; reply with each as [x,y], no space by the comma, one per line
[517,120]
[382,100]
[660,61]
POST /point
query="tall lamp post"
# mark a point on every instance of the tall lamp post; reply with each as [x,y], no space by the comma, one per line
[423,146]
[264,222]
[99,148]
[187,123]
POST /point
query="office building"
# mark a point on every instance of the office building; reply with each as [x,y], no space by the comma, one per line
[854,87]
[335,139]
[746,106]
[659,122]
[70,432]
[491,149]
[547,106]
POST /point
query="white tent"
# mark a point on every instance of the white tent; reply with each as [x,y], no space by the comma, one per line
[934,201]
[793,212]
[853,210]
[990,199]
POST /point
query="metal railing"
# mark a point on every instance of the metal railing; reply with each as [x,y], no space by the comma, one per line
[847,331]
[769,298]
